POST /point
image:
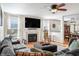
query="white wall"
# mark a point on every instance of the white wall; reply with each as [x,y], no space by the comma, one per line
[22,33]
[1,33]
[56,36]
[1,28]
[25,31]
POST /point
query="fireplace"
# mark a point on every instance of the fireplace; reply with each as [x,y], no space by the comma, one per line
[32,37]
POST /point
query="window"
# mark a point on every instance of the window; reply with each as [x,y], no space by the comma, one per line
[13,22]
[13,26]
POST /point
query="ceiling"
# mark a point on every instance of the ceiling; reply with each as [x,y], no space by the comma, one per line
[39,9]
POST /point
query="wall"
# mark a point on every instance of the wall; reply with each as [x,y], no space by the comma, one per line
[22,31]
[25,31]
[1,33]
[5,16]
[1,28]
[56,36]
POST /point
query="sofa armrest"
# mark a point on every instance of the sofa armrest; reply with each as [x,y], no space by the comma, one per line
[7,51]
[36,50]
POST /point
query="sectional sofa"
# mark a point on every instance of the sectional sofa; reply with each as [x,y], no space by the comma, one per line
[10,47]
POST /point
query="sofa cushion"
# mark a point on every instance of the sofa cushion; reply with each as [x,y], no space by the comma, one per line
[71,40]
[74,45]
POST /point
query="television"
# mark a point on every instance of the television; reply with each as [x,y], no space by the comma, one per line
[32,23]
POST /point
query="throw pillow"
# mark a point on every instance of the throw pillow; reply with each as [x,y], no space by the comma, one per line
[74,45]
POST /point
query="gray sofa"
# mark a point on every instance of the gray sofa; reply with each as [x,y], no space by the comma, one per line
[7,48]
[72,50]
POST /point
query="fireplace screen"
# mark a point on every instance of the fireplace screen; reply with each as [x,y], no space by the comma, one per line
[32,37]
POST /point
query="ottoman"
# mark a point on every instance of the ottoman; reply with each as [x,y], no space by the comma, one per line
[51,48]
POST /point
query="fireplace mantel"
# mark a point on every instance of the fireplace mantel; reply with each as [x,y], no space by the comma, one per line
[33,31]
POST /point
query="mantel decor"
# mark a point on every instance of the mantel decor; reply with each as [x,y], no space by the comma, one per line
[55,26]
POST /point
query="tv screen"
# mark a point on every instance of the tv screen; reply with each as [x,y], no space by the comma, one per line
[32,23]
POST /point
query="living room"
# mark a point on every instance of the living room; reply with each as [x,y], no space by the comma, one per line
[37,27]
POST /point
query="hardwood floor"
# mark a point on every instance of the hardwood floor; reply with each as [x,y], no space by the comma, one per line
[31,44]
[66,41]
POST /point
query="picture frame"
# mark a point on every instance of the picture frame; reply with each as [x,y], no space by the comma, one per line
[55,26]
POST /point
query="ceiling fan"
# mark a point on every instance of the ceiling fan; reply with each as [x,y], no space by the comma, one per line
[56,7]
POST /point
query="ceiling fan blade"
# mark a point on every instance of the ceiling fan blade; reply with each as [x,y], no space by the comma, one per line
[60,5]
[62,9]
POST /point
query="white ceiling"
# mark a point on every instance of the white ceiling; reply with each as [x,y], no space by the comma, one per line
[39,9]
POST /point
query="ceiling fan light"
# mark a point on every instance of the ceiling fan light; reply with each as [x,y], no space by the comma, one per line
[54,10]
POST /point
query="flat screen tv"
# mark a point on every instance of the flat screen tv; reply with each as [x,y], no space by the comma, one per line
[32,23]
